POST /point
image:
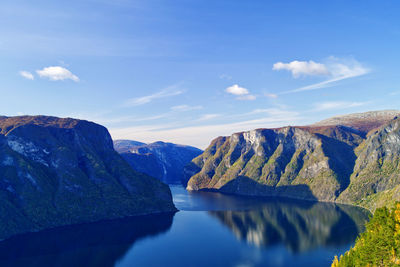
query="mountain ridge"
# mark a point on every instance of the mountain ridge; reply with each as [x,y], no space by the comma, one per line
[313,162]
[162,160]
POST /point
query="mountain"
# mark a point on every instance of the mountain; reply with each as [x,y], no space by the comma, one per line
[56,172]
[348,159]
[123,146]
[165,161]
[365,121]
[375,180]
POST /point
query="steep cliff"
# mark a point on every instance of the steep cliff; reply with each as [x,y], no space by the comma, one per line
[326,161]
[375,181]
[164,161]
[57,172]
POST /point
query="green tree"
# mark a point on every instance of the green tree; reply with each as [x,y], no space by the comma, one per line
[379,245]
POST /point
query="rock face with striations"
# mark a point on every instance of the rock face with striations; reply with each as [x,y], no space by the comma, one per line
[330,161]
[165,161]
[57,172]
[376,177]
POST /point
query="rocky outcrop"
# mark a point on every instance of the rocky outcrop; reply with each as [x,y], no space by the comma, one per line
[164,161]
[356,164]
[376,177]
[57,172]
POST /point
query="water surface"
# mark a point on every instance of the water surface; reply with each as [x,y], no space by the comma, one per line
[211,229]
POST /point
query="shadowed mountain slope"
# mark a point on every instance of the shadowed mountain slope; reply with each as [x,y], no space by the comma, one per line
[57,172]
[164,161]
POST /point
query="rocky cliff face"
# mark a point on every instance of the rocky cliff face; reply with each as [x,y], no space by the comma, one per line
[165,161]
[350,164]
[57,172]
[375,180]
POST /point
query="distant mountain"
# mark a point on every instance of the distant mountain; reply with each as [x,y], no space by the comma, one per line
[165,161]
[56,172]
[364,122]
[349,159]
[124,146]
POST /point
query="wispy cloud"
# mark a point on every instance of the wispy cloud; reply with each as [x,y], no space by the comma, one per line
[337,105]
[273,112]
[207,117]
[167,92]
[225,77]
[186,108]
[105,118]
[336,69]
[199,136]
[395,93]
[130,119]
[246,97]
[241,92]
[270,95]
[26,75]
[57,73]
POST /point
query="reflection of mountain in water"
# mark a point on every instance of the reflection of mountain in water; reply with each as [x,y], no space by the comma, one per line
[95,244]
[297,225]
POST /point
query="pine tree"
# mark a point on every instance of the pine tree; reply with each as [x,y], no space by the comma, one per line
[379,245]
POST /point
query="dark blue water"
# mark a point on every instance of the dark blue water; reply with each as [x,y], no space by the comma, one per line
[210,230]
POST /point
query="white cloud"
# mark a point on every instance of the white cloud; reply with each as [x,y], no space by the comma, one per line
[207,117]
[241,92]
[137,101]
[236,90]
[26,75]
[57,73]
[298,68]
[345,67]
[336,69]
[185,108]
[337,105]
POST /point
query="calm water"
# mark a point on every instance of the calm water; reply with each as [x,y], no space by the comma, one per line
[210,230]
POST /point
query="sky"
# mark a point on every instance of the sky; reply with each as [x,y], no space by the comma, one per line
[187,71]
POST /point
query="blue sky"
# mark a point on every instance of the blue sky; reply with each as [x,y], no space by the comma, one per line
[188,71]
